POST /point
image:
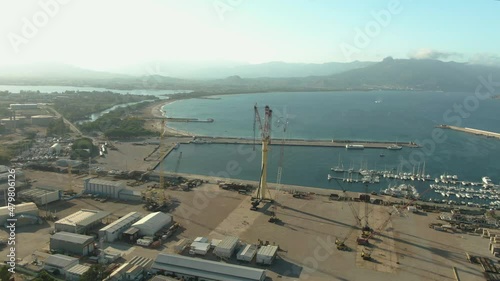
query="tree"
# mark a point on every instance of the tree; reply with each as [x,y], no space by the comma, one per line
[44,276]
[95,273]
[4,273]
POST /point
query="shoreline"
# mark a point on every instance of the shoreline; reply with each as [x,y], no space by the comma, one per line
[156,111]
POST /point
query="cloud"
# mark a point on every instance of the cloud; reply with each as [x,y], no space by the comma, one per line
[423,53]
[485,59]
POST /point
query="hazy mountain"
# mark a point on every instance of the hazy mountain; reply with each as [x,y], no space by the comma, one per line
[409,74]
[220,70]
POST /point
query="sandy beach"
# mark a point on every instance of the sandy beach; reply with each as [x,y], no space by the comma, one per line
[157,112]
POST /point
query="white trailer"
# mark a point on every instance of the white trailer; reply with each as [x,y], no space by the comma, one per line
[247,253]
[266,254]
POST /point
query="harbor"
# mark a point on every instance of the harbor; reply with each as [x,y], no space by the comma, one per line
[476,132]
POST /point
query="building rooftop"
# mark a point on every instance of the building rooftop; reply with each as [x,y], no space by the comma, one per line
[268,250]
[105,182]
[60,261]
[36,192]
[131,231]
[19,209]
[83,218]
[153,220]
[78,269]
[141,261]
[72,237]
[228,242]
[162,278]
[121,222]
[207,269]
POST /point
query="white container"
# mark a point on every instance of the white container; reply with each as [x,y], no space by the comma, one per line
[266,254]
[247,253]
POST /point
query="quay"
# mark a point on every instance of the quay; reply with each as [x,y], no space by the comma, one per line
[294,142]
[471,131]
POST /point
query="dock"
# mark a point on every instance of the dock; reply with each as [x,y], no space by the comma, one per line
[477,132]
[296,142]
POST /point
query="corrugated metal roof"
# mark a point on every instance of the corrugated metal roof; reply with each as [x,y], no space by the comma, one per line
[78,269]
[60,261]
[229,242]
[268,250]
[248,251]
[19,209]
[207,269]
[121,222]
[83,217]
[36,192]
[131,231]
[142,261]
[153,220]
[106,182]
[72,238]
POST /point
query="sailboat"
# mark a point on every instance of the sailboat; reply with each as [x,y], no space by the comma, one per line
[339,168]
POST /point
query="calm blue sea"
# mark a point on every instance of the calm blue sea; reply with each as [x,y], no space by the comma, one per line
[396,116]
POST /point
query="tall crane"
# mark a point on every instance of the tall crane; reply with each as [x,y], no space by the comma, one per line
[265,133]
[283,123]
[162,133]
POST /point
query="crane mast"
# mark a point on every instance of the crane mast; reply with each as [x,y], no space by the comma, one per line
[265,132]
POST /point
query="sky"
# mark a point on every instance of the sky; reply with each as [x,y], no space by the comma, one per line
[107,34]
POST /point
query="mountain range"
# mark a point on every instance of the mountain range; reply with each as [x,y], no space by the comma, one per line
[389,74]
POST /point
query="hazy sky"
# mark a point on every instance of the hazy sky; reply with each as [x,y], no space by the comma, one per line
[102,34]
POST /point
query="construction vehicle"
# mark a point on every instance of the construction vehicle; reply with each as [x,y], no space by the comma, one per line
[366,254]
[262,193]
[341,246]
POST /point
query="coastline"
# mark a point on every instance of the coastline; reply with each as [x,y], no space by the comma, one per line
[157,112]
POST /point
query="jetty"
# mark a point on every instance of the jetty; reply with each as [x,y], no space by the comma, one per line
[295,142]
[477,132]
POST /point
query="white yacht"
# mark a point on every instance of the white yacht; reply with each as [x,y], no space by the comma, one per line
[394,147]
[486,180]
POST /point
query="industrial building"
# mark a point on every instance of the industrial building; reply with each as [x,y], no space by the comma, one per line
[163,278]
[81,221]
[200,246]
[26,213]
[40,196]
[266,254]
[226,247]
[42,120]
[113,231]
[59,263]
[72,243]
[199,269]
[23,106]
[130,195]
[55,149]
[75,273]
[152,223]
[103,188]
[247,253]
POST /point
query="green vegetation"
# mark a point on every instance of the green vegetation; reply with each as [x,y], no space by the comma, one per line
[57,128]
[119,124]
[83,149]
[79,105]
[44,276]
[4,273]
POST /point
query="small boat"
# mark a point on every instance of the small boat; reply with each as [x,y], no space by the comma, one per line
[394,147]
[330,177]
[382,155]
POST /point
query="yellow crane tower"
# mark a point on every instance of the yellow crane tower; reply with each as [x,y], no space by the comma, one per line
[265,131]
[160,148]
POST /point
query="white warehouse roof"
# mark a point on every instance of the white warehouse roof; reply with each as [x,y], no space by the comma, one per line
[60,261]
[78,269]
[83,218]
[105,182]
[72,238]
[153,222]
[207,269]
[121,222]
[19,209]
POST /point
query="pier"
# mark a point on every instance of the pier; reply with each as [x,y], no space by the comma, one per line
[295,142]
[471,131]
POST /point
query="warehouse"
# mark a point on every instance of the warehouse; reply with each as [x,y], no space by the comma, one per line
[72,243]
[81,221]
[247,253]
[59,264]
[130,195]
[266,254]
[152,223]
[113,231]
[75,273]
[23,106]
[126,271]
[226,247]
[26,212]
[103,188]
[40,196]
[204,270]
